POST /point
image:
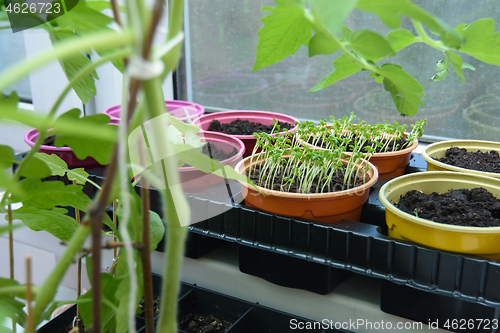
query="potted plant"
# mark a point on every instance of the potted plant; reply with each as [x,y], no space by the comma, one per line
[112,302]
[243,123]
[176,108]
[467,156]
[463,208]
[305,183]
[386,145]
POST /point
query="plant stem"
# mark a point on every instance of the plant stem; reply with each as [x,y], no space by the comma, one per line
[175,212]
[146,260]
[68,48]
[426,39]
[49,288]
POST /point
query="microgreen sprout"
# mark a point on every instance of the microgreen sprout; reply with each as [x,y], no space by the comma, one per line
[357,136]
[286,165]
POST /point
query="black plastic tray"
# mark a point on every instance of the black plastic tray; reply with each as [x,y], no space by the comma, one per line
[359,247]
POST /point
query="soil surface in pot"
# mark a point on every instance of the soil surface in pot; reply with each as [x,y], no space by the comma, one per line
[196,323]
[337,181]
[50,141]
[245,127]
[479,161]
[215,153]
[398,144]
[473,208]
[156,307]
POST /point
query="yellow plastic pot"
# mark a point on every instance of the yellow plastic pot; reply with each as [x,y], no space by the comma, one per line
[438,149]
[480,241]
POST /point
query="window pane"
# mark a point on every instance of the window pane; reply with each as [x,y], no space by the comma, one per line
[11,51]
[221,50]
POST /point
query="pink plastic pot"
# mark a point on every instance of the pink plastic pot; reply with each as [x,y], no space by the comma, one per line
[226,117]
[65,153]
[175,108]
[194,180]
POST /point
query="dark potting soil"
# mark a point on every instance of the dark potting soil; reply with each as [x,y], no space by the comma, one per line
[50,141]
[215,153]
[245,127]
[336,182]
[196,323]
[399,143]
[156,307]
[479,161]
[474,208]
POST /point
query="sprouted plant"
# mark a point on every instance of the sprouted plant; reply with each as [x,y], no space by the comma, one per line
[357,136]
[286,165]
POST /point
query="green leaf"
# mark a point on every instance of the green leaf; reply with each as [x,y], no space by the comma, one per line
[12,309]
[109,285]
[320,44]
[84,88]
[35,168]
[345,32]
[400,38]
[83,19]
[442,68]
[284,31]
[389,12]
[157,230]
[6,157]
[468,66]
[456,62]
[331,14]
[88,146]
[344,67]
[54,221]
[49,194]
[9,105]
[404,89]
[482,42]
[6,228]
[59,168]
[371,45]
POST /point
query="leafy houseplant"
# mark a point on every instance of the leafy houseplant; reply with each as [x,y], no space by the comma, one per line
[387,146]
[112,302]
[301,182]
[290,22]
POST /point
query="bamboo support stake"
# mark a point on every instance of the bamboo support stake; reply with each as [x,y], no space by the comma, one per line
[29,295]
[114,223]
[79,275]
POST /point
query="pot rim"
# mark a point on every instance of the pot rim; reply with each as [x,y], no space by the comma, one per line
[432,176]
[200,110]
[34,132]
[228,139]
[198,121]
[375,155]
[240,167]
[426,154]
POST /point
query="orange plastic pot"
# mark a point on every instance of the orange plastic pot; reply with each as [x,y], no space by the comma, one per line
[390,164]
[320,207]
